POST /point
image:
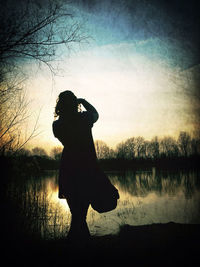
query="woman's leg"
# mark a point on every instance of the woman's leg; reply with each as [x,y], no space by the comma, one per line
[78,228]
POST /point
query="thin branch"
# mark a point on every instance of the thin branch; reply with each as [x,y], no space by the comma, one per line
[32,135]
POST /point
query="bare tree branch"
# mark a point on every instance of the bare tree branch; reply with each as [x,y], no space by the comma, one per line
[30,31]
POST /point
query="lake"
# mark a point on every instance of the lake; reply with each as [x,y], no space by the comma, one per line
[146,197]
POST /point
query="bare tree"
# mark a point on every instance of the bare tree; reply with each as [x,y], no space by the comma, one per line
[39,151]
[139,146]
[112,153]
[169,147]
[154,148]
[102,150]
[184,140]
[33,29]
[14,114]
[56,152]
[121,151]
[24,152]
[30,30]
[195,146]
[129,147]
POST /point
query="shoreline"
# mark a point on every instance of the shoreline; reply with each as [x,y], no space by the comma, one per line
[170,244]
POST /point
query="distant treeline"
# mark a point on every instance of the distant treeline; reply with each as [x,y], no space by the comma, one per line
[139,148]
[138,153]
[135,152]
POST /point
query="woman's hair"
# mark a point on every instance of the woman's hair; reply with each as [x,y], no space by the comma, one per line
[66,104]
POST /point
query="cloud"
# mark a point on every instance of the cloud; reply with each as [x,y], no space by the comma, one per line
[174,26]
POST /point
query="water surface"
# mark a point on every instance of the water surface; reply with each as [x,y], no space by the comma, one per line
[146,197]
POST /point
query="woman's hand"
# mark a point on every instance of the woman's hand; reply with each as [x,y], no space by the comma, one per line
[89,108]
[80,100]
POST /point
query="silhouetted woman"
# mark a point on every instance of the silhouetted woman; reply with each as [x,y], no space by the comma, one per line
[73,129]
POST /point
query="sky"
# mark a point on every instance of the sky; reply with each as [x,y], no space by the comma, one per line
[140,70]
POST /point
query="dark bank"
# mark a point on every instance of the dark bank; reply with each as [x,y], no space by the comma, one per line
[140,230]
[151,245]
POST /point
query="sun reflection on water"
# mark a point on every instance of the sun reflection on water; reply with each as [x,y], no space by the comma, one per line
[143,200]
[58,201]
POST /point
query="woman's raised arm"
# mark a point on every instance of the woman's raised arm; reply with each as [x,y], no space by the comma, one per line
[89,108]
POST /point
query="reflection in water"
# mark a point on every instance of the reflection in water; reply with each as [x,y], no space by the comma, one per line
[145,198]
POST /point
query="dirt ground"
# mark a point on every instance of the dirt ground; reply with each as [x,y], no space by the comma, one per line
[161,245]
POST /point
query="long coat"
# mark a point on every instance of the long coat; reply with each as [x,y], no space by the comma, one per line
[78,161]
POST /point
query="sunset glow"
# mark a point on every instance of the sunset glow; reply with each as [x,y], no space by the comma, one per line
[133,97]
[141,86]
